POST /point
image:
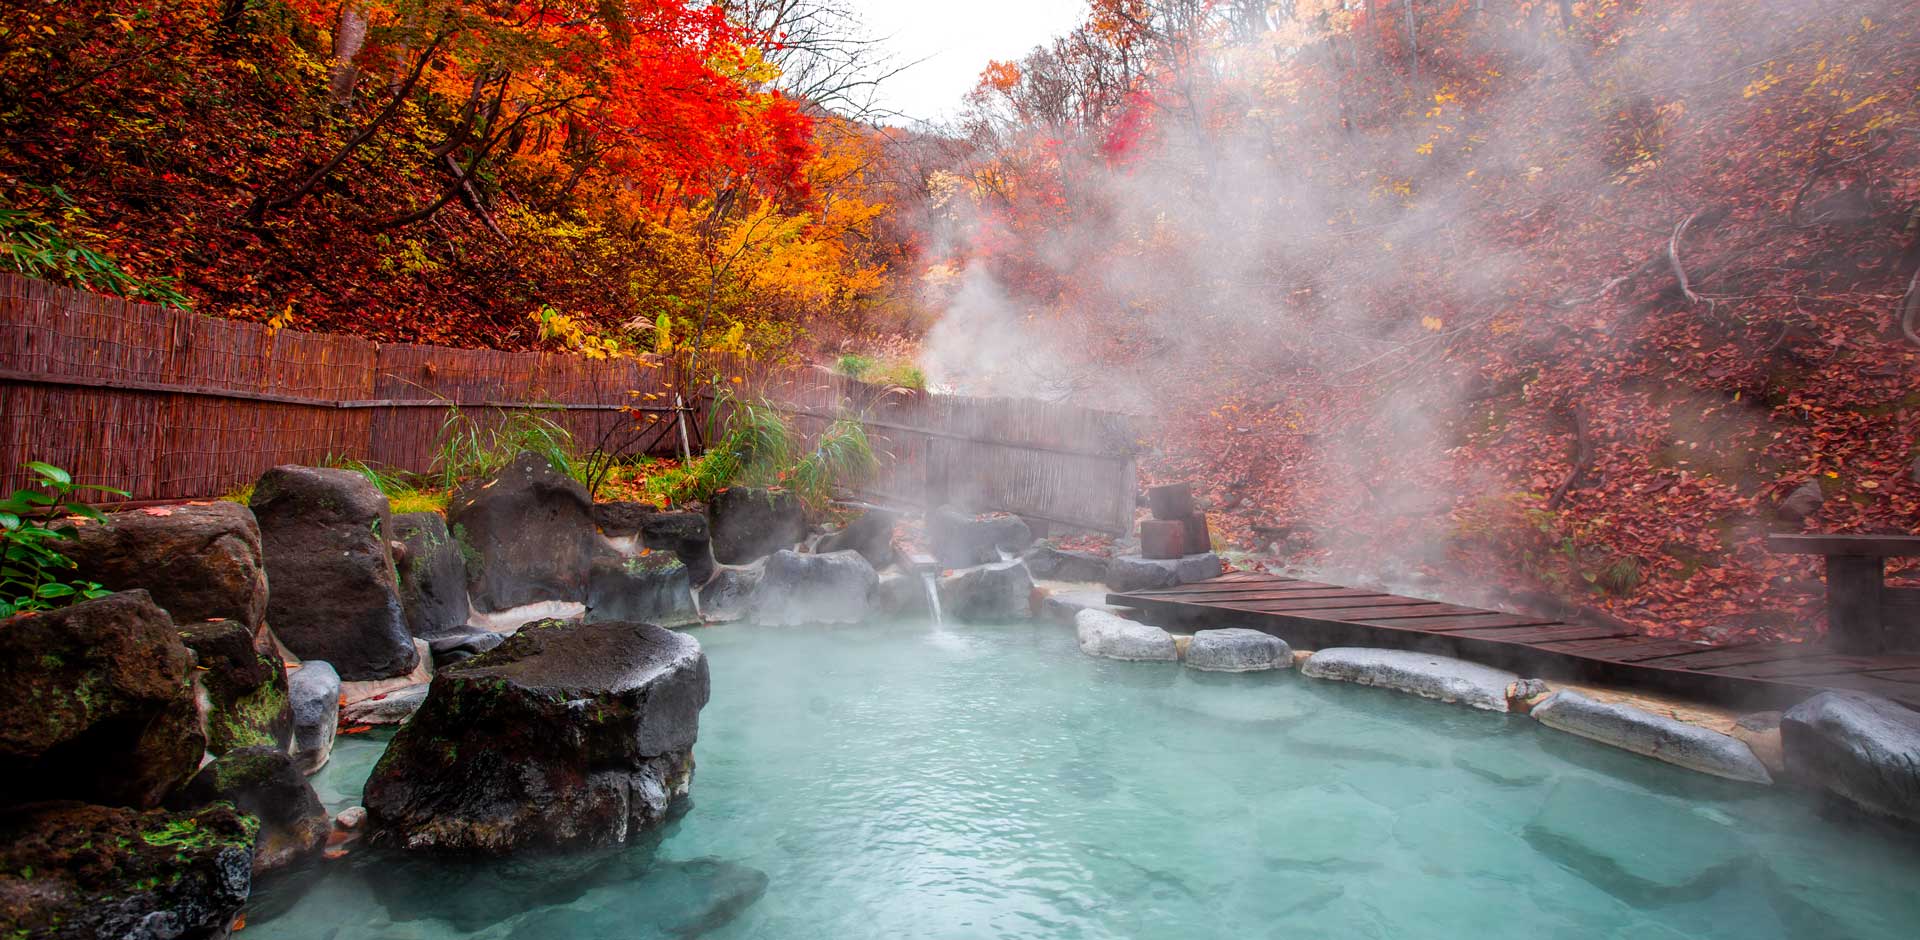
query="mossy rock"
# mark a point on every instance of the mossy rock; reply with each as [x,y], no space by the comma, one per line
[246,689]
[71,871]
[263,782]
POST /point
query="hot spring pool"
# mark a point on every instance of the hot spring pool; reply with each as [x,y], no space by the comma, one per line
[904,781]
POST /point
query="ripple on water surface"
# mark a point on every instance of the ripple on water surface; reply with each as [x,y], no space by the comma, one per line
[901,781]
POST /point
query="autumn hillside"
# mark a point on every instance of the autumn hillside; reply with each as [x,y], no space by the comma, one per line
[1537,303]
[571,174]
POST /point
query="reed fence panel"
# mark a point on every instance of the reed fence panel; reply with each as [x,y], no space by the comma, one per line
[170,405]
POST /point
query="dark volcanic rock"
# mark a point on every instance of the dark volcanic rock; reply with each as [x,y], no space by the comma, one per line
[462,643]
[527,533]
[198,562]
[70,871]
[622,518]
[651,588]
[796,588]
[314,690]
[871,535]
[264,783]
[685,535]
[96,703]
[335,593]
[1863,748]
[1001,593]
[566,735]
[729,593]
[750,523]
[246,689]
[961,541]
[1052,564]
[433,576]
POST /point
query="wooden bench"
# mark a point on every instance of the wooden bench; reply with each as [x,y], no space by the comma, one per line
[1864,616]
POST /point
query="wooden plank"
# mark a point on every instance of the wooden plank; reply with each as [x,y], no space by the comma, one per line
[1896,675]
[1451,624]
[1905,692]
[1385,602]
[1261,595]
[1400,618]
[1885,546]
[1625,650]
[1717,657]
[1543,634]
[1817,664]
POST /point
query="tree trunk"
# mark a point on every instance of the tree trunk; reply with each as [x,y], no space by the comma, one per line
[348,39]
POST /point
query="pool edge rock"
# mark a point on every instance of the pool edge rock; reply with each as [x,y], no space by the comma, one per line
[1656,736]
[1108,636]
[567,735]
[1424,674]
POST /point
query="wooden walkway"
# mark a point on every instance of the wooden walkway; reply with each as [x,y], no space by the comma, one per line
[1316,616]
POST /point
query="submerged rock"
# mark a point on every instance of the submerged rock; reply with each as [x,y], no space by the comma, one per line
[728,594]
[796,589]
[71,871]
[1109,637]
[1655,736]
[335,593]
[264,783]
[1860,747]
[961,541]
[96,704]
[1237,649]
[566,735]
[433,576]
[653,588]
[1423,674]
[314,691]
[246,689]
[1001,593]
[200,562]
[1645,850]
[670,901]
[1053,564]
[871,535]
[527,533]
[749,523]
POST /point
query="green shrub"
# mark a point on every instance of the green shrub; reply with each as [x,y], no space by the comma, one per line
[32,570]
[853,365]
[468,450]
[35,245]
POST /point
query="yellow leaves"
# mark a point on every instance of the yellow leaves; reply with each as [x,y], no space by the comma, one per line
[573,335]
[1762,84]
[1433,324]
[1867,24]
[281,320]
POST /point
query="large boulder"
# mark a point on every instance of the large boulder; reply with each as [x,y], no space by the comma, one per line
[900,594]
[1859,747]
[1000,593]
[1237,649]
[527,533]
[199,561]
[568,734]
[96,704]
[314,690]
[796,588]
[750,523]
[1112,637]
[1423,674]
[433,575]
[1052,564]
[728,595]
[461,643]
[621,519]
[1134,573]
[335,592]
[962,541]
[871,534]
[71,871]
[652,588]
[1656,736]
[246,689]
[685,535]
[264,783]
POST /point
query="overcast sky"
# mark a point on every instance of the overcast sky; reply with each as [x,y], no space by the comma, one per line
[956,40]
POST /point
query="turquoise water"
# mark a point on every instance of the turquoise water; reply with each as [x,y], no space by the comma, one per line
[903,781]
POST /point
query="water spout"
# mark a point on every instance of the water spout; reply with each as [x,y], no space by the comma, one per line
[933,597]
